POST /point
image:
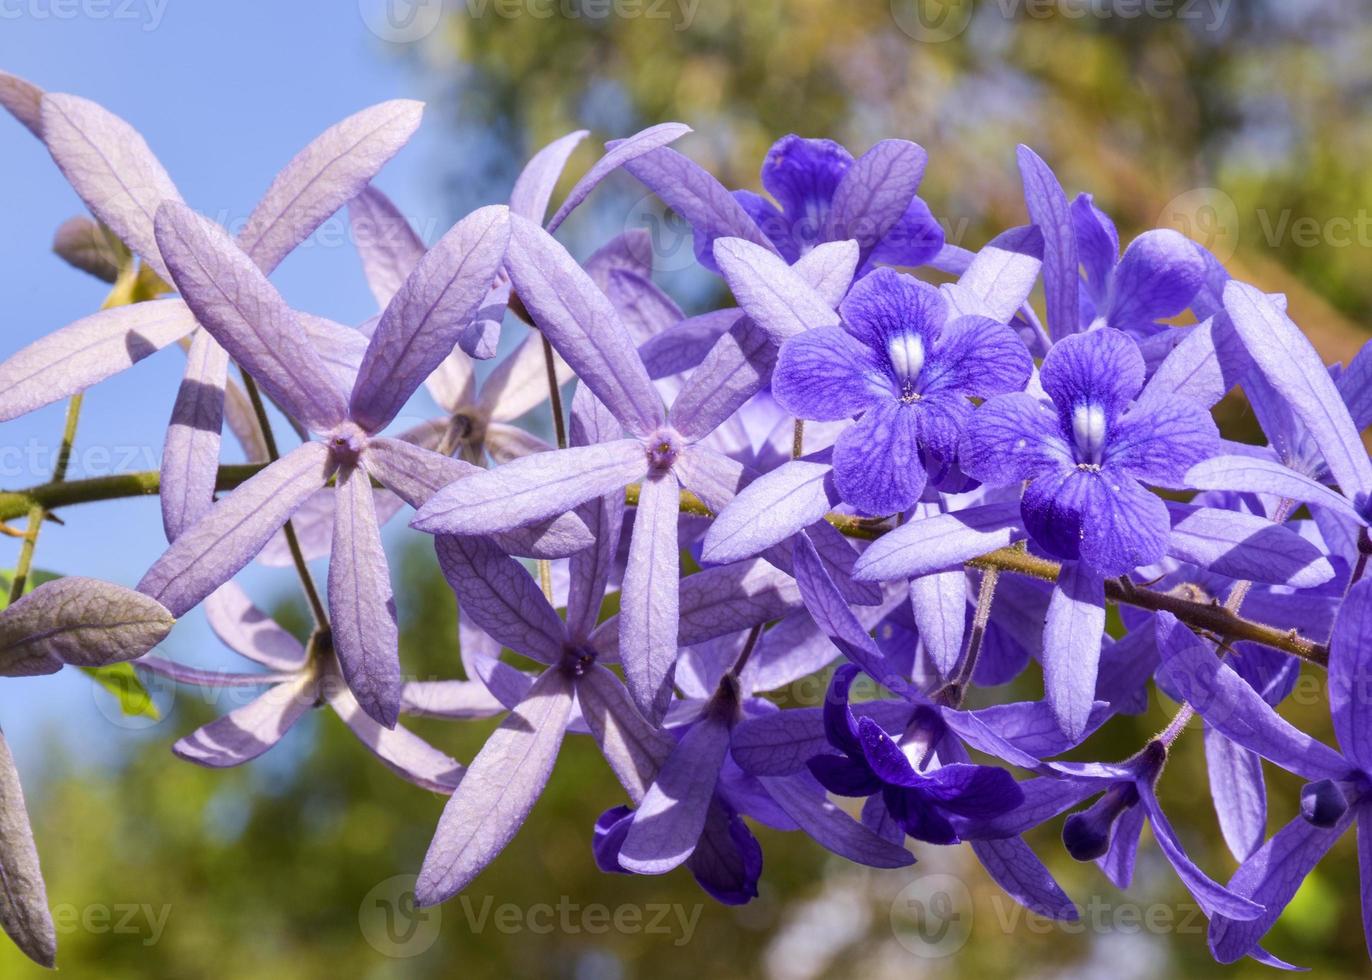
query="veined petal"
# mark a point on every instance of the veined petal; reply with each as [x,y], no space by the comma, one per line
[877,465]
[90,350]
[977,356]
[324,176]
[386,243]
[245,733]
[1238,792]
[1245,547]
[831,828]
[533,189]
[874,193]
[500,788]
[999,277]
[1014,866]
[532,488]
[1156,278]
[939,543]
[770,509]
[233,300]
[79,621]
[1105,518]
[24,101]
[24,913]
[249,632]
[190,455]
[211,551]
[582,325]
[403,752]
[1012,438]
[1159,442]
[519,382]
[649,597]
[619,153]
[111,169]
[940,607]
[1098,246]
[737,367]
[1350,672]
[421,324]
[634,748]
[1249,474]
[1071,646]
[827,375]
[773,293]
[361,604]
[829,268]
[1049,210]
[1102,368]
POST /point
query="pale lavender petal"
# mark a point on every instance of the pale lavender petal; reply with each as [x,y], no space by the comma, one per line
[1350,672]
[533,488]
[24,101]
[361,605]
[619,153]
[533,189]
[940,606]
[421,324]
[700,199]
[719,601]
[403,752]
[874,192]
[634,748]
[85,245]
[771,509]
[1294,368]
[324,176]
[340,347]
[111,168]
[386,242]
[199,677]
[1015,867]
[497,594]
[1245,547]
[649,600]
[737,367]
[24,911]
[999,277]
[519,382]
[1049,210]
[1071,646]
[779,743]
[1355,386]
[773,293]
[1238,792]
[211,551]
[713,477]
[233,300]
[90,350]
[643,306]
[500,788]
[590,570]
[190,455]
[682,347]
[245,733]
[454,700]
[829,268]
[80,621]
[249,632]
[1195,369]
[582,325]
[936,544]
[669,820]
[805,803]
[1250,474]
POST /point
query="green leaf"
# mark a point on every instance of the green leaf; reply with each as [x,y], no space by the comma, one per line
[122,681]
[36,578]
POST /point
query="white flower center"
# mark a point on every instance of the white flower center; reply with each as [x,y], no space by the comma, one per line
[907,355]
[1088,429]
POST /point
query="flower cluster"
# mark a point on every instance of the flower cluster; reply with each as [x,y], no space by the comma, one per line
[847,472]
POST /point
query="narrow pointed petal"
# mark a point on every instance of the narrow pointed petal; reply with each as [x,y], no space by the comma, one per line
[234,301]
[618,155]
[80,621]
[111,169]
[324,176]
[1015,867]
[935,544]
[634,748]
[454,700]
[649,598]
[190,456]
[1238,792]
[874,192]
[831,827]
[24,911]
[682,347]
[386,242]
[1231,706]
[940,607]
[532,489]
[669,821]
[782,742]
[497,594]
[24,101]
[90,350]
[771,509]
[249,632]
[1355,387]
[1294,368]
[500,788]
[421,324]
[1245,547]
[519,382]
[582,325]
[403,752]
[1049,210]
[829,268]
[999,278]
[211,551]
[773,293]
[1071,646]
[245,733]
[700,199]
[361,604]
[1197,368]
[1248,474]
[533,189]
[737,367]
[1350,667]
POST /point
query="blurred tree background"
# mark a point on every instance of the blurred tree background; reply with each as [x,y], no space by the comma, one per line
[1241,124]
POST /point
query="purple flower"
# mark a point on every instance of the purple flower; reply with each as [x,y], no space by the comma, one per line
[872,762]
[907,372]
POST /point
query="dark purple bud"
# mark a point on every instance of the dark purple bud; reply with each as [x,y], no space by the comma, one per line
[1087,834]
[1323,803]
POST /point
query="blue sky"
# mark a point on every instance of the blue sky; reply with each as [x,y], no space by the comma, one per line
[225,94]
